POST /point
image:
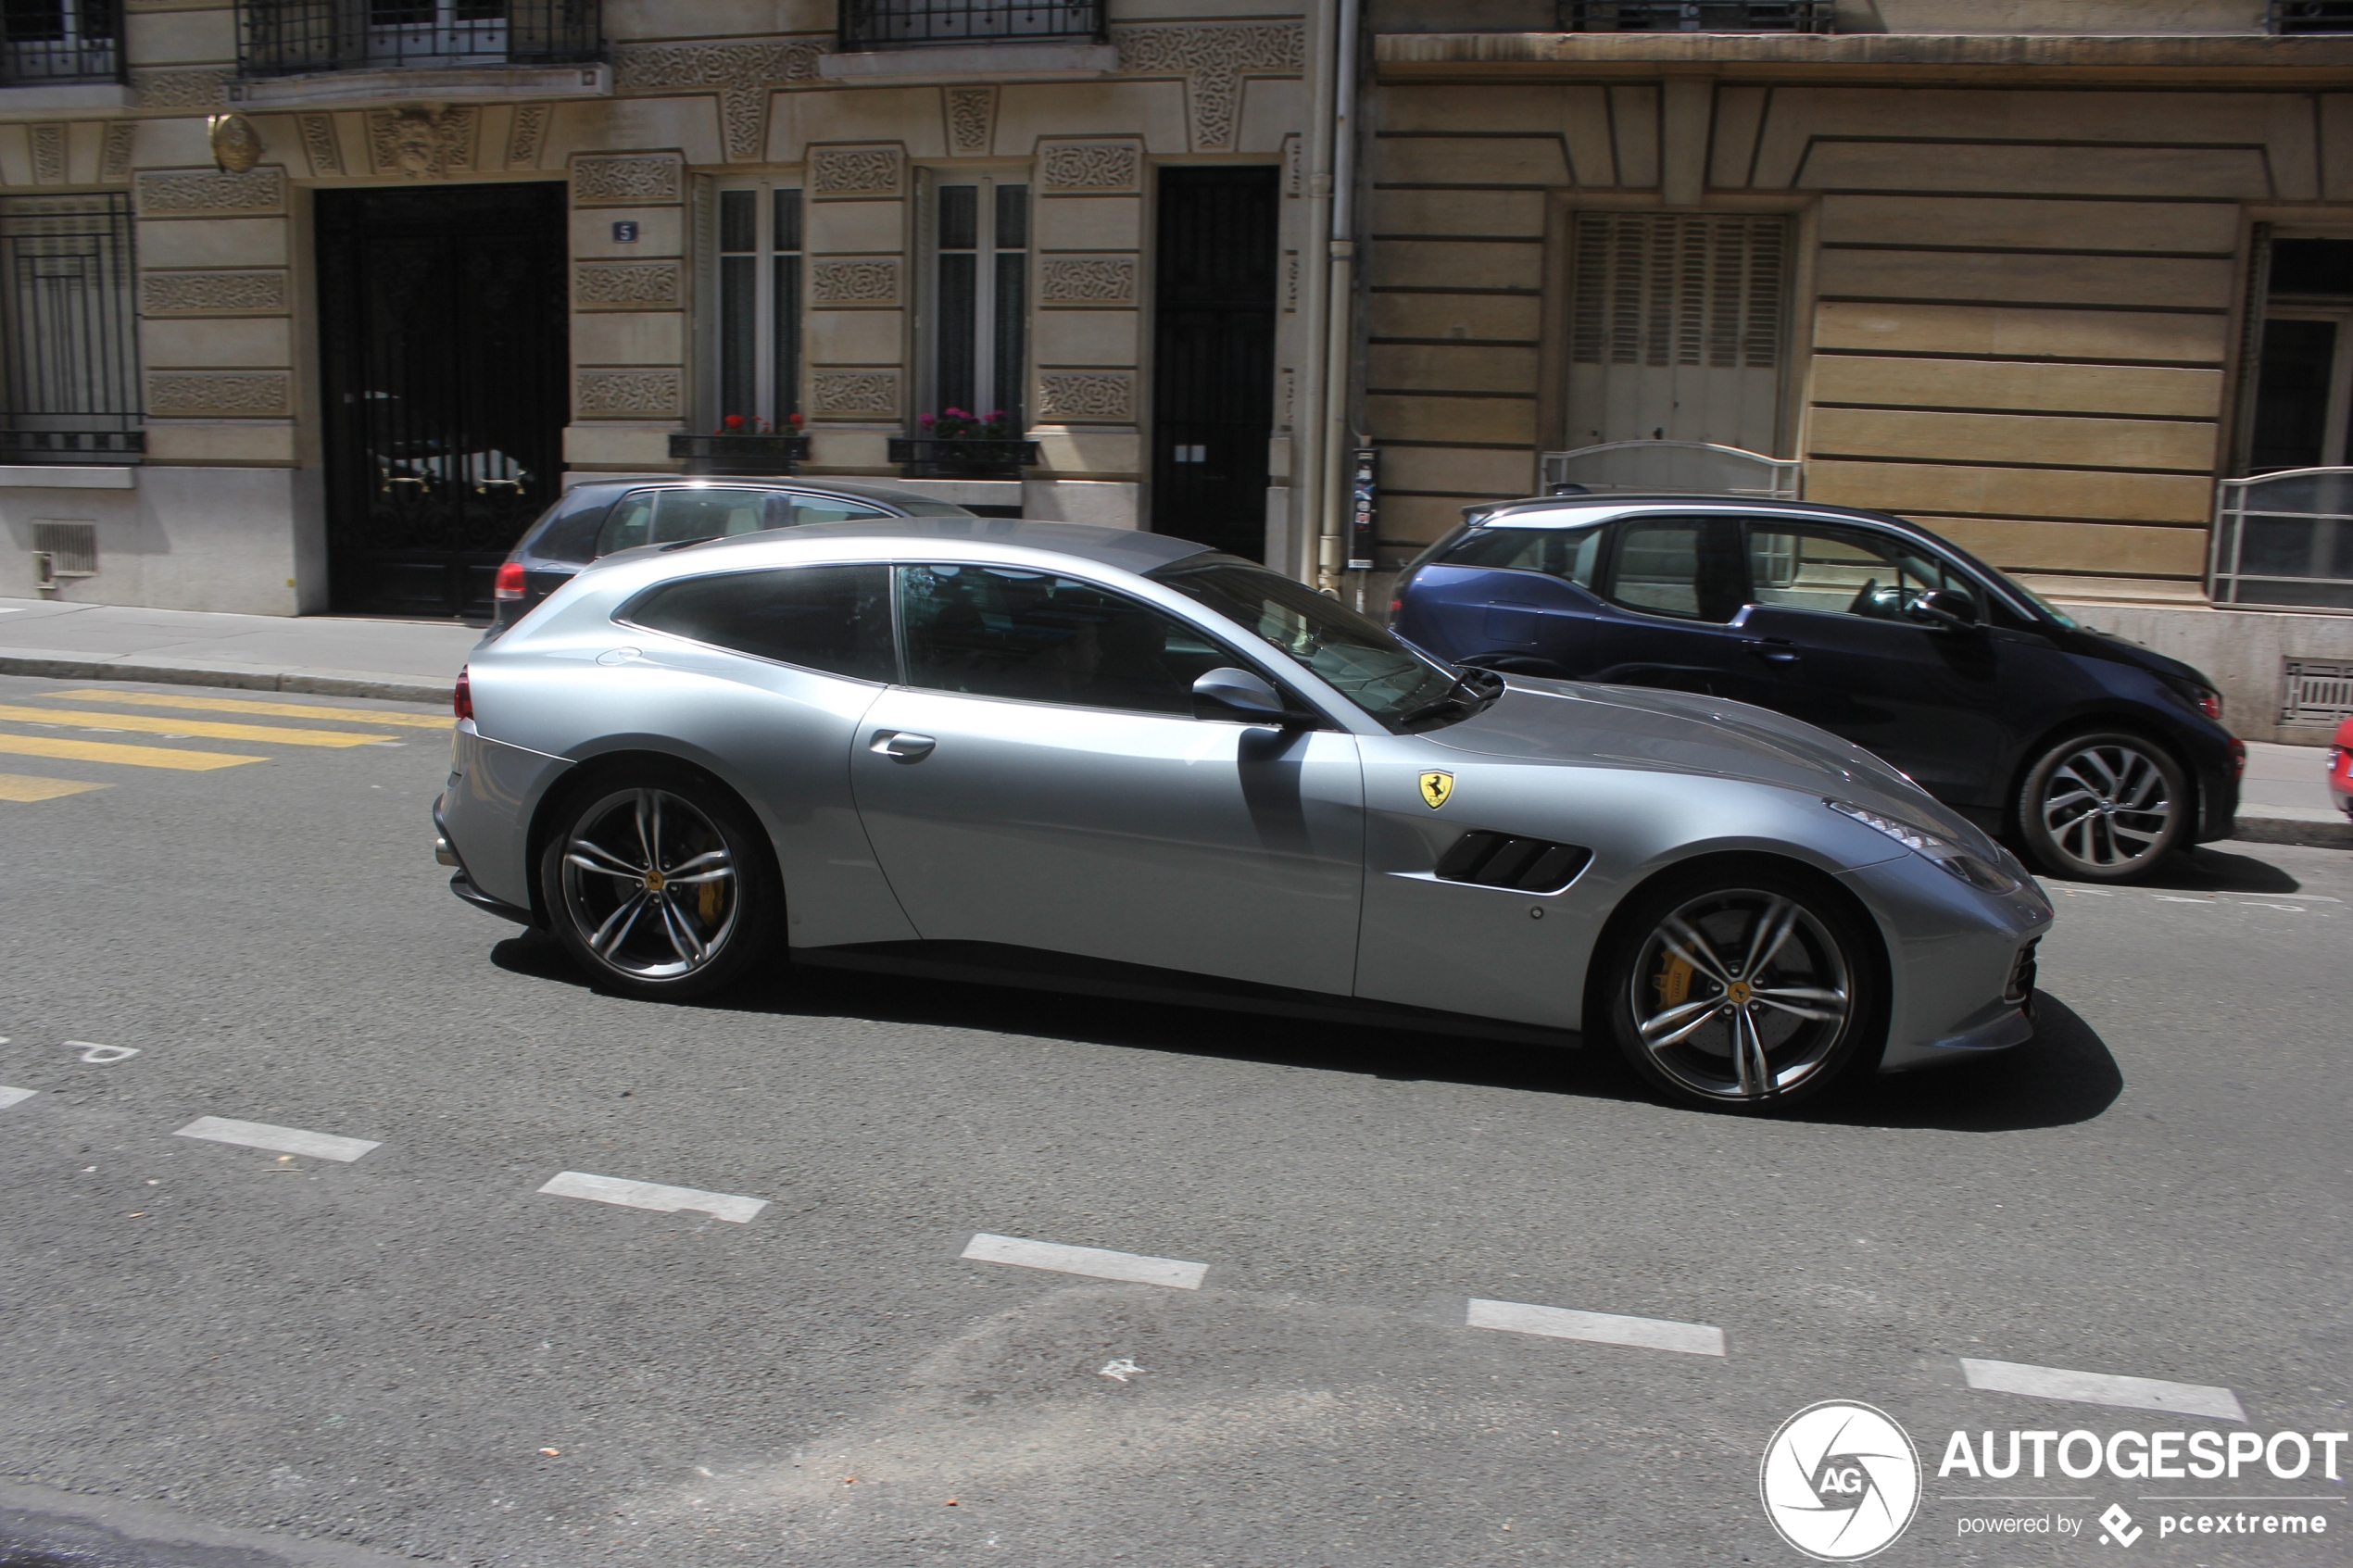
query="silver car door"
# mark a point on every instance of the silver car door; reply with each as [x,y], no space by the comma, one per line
[1041,781]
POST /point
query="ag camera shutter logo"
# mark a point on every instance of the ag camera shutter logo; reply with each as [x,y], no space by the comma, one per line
[1841,1481]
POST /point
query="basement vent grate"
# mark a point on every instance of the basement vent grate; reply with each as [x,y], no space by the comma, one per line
[2315,691]
[73,547]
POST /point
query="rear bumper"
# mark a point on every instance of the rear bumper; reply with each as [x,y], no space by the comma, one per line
[462,884]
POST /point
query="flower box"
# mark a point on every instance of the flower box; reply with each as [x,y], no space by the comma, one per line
[984,457]
[743,454]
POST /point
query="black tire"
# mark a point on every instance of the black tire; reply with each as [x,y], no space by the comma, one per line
[593,875]
[2104,805]
[1823,1016]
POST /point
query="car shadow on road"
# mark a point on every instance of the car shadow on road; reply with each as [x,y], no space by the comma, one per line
[2207,869]
[2063,1076]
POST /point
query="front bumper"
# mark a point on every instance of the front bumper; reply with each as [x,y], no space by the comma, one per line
[1959,961]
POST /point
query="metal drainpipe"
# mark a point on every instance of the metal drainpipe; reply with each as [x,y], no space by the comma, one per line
[1331,547]
[1307,412]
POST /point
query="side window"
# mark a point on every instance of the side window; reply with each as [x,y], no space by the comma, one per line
[1686,567]
[1843,572]
[629,524]
[1569,553]
[997,632]
[831,509]
[836,619]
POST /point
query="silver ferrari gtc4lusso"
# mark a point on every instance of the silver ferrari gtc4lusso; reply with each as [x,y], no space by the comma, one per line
[1097,760]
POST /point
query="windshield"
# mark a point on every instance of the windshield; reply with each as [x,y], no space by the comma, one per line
[1358,658]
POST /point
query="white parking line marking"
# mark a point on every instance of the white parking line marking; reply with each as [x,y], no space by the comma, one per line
[2101,1388]
[283,1141]
[9,1096]
[654,1196]
[1599,1328]
[1093,1261]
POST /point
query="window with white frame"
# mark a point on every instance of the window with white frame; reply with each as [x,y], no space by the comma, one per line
[977,306]
[754,355]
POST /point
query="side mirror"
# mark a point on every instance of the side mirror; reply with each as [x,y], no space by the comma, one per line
[1238,696]
[1944,609]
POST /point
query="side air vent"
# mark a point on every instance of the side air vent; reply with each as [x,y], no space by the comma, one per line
[1527,865]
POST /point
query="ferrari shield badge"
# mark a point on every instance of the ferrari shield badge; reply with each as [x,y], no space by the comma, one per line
[1436,787]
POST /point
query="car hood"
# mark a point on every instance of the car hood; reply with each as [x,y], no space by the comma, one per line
[2125,651]
[1541,721]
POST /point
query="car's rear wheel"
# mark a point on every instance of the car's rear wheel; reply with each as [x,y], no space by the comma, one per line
[658,884]
[2103,807]
[1745,987]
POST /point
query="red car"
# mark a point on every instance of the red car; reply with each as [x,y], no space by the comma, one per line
[2341,768]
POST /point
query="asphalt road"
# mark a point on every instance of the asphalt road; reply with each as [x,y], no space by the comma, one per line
[214,1355]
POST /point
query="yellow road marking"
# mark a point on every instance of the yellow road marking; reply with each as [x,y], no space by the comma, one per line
[128,756]
[274,710]
[24,787]
[156,724]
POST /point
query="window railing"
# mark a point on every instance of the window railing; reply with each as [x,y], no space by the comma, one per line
[1674,468]
[67,331]
[2312,16]
[1695,16]
[901,24]
[2285,540]
[285,37]
[60,41]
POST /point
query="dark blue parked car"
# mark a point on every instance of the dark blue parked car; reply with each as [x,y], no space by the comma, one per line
[2095,755]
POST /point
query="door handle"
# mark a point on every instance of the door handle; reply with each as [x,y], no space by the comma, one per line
[1773,650]
[901,745]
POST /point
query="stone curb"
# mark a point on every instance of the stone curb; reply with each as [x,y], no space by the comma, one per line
[2286,830]
[242,677]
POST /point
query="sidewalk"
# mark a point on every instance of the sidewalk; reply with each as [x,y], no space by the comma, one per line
[330,656]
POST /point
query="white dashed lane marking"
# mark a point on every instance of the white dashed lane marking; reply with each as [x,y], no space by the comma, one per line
[1093,1261]
[2101,1388]
[282,1140]
[653,1195]
[1598,1328]
[9,1096]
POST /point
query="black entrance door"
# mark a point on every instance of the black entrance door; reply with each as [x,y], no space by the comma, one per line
[1212,386]
[442,325]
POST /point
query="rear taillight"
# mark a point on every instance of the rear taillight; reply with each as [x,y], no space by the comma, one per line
[2238,757]
[2210,704]
[510,583]
[462,699]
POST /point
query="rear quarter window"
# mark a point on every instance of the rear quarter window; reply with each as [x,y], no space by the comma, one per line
[835,619]
[1571,554]
[569,531]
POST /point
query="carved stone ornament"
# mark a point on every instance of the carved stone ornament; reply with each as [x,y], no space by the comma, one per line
[208,194]
[1213,58]
[183,394]
[626,395]
[1087,280]
[856,392]
[114,154]
[237,145]
[49,153]
[524,139]
[318,141]
[743,75]
[855,171]
[972,119]
[1086,396]
[256,291]
[854,283]
[182,89]
[421,144]
[625,285]
[601,180]
[1090,167]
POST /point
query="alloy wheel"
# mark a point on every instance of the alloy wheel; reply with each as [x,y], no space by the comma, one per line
[649,885]
[2108,806]
[1741,994]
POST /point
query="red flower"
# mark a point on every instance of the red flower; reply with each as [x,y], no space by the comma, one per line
[734,422]
[795,420]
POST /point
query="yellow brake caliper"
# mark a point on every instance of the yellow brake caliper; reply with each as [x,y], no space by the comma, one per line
[1673,983]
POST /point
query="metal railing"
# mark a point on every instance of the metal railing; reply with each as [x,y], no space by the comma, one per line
[1671,467]
[68,343]
[2285,540]
[287,37]
[900,24]
[2312,16]
[1695,16]
[60,41]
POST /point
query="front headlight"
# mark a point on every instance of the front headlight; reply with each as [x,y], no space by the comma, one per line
[1967,864]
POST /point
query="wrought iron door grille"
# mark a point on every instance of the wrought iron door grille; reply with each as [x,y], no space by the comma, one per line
[900,24]
[45,41]
[285,37]
[2312,16]
[67,331]
[1695,16]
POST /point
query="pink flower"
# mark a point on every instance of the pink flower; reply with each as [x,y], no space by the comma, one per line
[926,420]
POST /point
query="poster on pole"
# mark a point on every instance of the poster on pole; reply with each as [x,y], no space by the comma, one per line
[1364,509]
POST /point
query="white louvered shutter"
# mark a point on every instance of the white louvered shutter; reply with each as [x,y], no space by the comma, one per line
[1677,328]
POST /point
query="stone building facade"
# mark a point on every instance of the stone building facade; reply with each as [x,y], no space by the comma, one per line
[2005,269]
[357,285]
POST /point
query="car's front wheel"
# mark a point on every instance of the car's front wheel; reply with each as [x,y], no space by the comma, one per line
[2103,808]
[1745,987]
[660,884]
